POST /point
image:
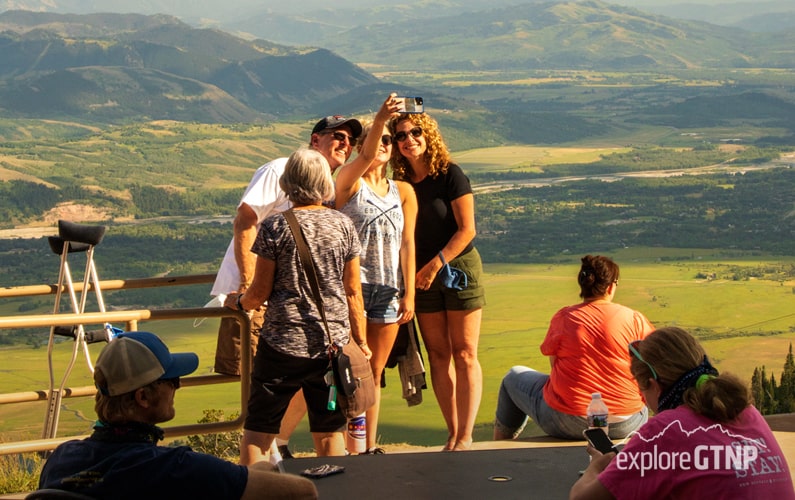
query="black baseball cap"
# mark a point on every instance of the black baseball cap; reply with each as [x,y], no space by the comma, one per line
[337,121]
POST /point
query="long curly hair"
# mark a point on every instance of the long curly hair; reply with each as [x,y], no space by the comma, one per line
[436,156]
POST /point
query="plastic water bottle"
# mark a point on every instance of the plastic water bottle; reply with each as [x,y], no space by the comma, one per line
[357,434]
[597,413]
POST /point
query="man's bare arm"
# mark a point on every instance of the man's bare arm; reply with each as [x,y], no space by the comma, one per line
[264,484]
[245,232]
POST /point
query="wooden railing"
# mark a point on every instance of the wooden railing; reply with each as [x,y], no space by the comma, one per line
[130,319]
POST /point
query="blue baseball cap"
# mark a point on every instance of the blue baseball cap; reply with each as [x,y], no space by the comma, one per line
[135,359]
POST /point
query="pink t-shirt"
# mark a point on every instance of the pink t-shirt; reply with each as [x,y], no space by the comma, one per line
[589,341]
[679,454]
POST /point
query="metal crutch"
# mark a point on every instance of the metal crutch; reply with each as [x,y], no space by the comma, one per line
[72,238]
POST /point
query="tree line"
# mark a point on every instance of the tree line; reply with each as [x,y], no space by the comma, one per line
[751,212]
[771,397]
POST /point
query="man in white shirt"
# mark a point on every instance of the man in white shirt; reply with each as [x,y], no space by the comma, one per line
[332,136]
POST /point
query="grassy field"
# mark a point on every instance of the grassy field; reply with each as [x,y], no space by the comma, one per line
[528,158]
[744,323]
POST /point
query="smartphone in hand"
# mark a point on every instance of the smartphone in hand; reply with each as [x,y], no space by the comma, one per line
[411,104]
[600,441]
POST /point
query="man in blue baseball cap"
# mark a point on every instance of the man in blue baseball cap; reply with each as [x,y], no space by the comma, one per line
[137,377]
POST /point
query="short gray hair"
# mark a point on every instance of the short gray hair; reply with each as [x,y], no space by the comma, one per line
[307,178]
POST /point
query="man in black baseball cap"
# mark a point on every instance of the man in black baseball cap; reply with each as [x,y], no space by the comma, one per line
[334,137]
[335,121]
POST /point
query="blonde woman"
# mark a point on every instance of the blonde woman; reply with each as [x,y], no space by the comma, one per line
[384,213]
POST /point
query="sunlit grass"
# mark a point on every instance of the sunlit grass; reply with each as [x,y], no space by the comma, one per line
[19,472]
[737,318]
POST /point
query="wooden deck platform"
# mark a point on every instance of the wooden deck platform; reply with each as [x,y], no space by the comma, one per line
[510,472]
[526,468]
[538,467]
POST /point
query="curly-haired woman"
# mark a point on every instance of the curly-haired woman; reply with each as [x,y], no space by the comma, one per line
[449,318]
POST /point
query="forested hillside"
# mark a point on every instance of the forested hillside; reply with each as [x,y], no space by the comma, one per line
[750,212]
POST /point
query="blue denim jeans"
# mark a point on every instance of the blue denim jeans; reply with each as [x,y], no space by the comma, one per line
[522,396]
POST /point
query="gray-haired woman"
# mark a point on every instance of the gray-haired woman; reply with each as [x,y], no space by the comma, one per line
[292,350]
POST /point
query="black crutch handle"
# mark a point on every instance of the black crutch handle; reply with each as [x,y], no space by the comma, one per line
[91,336]
[56,245]
[80,233]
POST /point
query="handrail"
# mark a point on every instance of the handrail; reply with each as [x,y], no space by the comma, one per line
[130,317]
[105,285]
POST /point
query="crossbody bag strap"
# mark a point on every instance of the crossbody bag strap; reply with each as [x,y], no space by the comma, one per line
[308,264]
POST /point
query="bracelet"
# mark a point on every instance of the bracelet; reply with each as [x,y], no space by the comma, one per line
[239,305]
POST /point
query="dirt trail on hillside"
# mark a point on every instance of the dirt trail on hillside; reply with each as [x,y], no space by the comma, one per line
[48,226]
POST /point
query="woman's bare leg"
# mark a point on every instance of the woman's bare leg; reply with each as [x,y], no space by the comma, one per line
[464,330]
[433,328]
[254,446]
[329,444]
[380,337]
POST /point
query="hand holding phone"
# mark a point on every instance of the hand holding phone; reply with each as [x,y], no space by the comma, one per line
[599,440]
[411,104]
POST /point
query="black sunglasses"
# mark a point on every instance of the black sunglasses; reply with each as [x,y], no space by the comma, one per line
[402,135]
[343,137]
[386,139]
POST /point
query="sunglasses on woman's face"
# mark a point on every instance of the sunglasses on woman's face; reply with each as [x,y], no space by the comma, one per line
[386,140]
[633,349]
[402,135]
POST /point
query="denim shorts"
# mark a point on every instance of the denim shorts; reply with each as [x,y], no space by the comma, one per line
[522,396]
[276,378]
[381,303]
[440,298]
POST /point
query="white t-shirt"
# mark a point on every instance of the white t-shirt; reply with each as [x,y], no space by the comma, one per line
[265,197]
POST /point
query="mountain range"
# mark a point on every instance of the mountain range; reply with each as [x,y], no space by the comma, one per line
[123,67]
[310,21]
[112,67]
[585,34]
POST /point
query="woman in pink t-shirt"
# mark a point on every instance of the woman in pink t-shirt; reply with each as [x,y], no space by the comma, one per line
[587,348]
[706,440]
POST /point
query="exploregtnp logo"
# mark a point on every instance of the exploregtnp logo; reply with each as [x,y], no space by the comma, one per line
[747,457]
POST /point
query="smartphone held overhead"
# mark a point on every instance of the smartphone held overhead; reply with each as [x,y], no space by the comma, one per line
[411,104]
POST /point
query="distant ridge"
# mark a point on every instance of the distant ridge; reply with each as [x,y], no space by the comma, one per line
[586,34]
[111,67]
